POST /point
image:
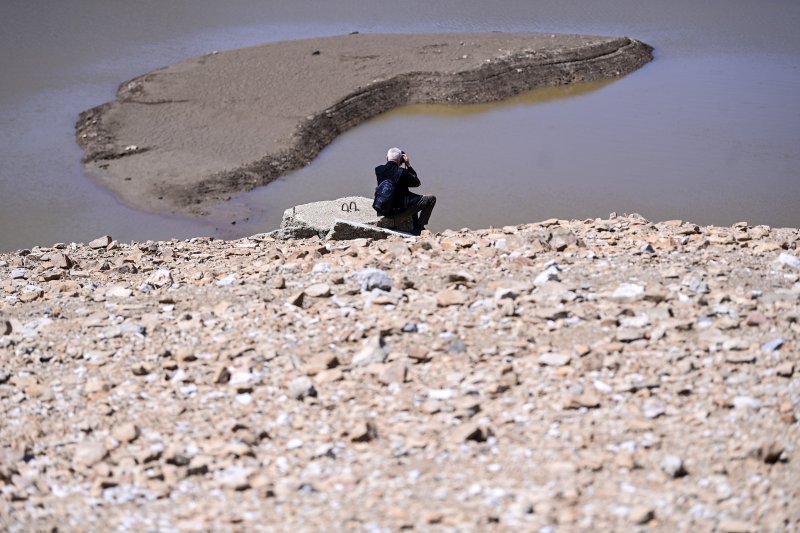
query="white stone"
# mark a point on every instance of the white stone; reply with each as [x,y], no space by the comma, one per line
[374,351]
[554,359]
[628,290]
[119,292]
[788,260]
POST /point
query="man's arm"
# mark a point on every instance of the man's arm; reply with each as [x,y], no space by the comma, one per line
[408,177]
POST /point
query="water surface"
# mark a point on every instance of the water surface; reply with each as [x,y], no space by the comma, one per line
[709,132]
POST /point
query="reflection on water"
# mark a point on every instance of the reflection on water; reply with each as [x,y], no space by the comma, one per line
[709,132]
[538,96]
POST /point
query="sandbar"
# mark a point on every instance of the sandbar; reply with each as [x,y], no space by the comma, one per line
[185,137]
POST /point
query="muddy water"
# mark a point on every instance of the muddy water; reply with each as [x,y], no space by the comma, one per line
[710,131]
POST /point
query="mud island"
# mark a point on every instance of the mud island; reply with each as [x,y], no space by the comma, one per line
[184,137]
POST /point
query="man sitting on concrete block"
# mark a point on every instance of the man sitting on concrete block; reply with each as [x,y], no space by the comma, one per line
[393,197]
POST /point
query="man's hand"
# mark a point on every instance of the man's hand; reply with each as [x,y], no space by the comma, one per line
[405,160]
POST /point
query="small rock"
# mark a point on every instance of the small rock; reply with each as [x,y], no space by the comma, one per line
[460,278]
[302,387]
[296,299]
[739,358]
[235,477]
[222,376]
[160,278]
[554,359]
[363,432]
[60,260]
[587,400]
[373,278]
[642,514]
[19,273]
[629,334]
[773,345]
[469,431]
[788,260]
[673,466]
[770,452]
[318,290]
[653,408]
[119,292]
[628,291]
[755,318]
[320,362]
[785,370]
[294,444]
[394,373]
[89,453]
[374,351]
[141,369]
[551,273]
[736,526]
[561,238]
[243,381]
[228,281]
[441,394]
[450,297]
[100,242]
[746,402]
[125,432]
[5,327]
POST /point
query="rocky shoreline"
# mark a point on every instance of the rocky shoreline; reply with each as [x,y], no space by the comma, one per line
[186,137]
[610,374]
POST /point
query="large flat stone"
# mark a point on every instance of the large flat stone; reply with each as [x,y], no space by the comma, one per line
[350,217]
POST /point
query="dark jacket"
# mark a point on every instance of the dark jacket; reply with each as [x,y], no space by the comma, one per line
[403,179]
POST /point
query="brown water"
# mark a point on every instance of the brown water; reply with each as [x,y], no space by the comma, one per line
[709,132]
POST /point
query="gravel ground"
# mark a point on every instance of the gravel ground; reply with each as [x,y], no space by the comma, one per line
[608,374]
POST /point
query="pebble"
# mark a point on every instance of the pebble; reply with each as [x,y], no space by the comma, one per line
[739,358]
[119,292]
[551,273]
[785,370]
[160,278]
[641,514]
[318,290]
[554,359]
[125,432]
[773,345]
[746,402]
[628,291]
[450,297]
[373,278]
[302,387]
[788,260]
[373,352]
[394,373]
[89,453]
[673,466]
[363,432]
[653,408]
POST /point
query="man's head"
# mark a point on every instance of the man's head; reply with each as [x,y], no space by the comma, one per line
[395,154]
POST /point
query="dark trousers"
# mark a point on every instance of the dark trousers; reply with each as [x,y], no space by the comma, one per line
[421,208]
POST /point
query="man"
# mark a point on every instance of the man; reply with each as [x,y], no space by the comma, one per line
[404,200]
